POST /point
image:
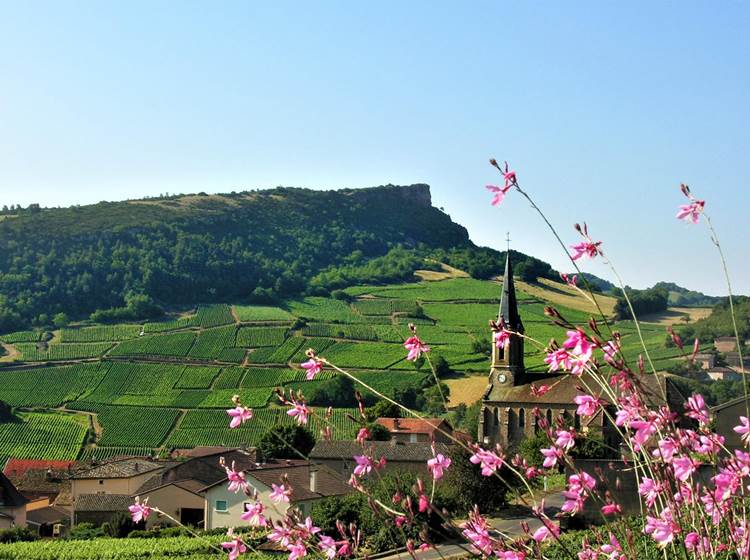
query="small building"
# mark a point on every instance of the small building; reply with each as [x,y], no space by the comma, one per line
[725,344]
[339,455]
[705,360]
[178,488]
[310,483]
[12,505]
[720,373]
[49,521]
[417,430]
[99,508]
[121,476]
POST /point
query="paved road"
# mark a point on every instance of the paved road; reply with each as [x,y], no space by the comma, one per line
[509,524]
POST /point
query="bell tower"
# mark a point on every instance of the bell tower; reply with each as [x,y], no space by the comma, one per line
[507,363]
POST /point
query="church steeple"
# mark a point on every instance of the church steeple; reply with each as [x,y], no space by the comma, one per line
[507,362]
[508,311]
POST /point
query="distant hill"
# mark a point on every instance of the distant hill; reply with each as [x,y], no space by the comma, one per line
[128,259]
[597,284]
[682,297]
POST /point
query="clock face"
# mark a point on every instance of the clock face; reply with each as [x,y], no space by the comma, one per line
[501,378]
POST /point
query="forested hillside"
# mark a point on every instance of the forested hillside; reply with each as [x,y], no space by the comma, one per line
[129,259]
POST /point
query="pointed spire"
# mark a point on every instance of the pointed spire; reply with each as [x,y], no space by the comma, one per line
[508,311]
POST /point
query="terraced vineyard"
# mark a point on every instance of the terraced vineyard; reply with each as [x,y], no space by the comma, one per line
[167,383]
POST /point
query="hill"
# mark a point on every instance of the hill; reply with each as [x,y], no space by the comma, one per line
[682,297]
[131,259]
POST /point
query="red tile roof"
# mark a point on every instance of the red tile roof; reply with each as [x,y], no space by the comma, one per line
[16,468]
[414,425]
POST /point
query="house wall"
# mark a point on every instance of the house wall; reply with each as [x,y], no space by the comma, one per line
[18,514]
[344,467]
[95,517]
[39,503]
[109,485]
[509,423]
[235,505]
[726,419]
[171,499]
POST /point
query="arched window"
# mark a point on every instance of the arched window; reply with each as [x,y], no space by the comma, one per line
[522,418]
[576,422]
[549,417]
[497,418]
[511,422]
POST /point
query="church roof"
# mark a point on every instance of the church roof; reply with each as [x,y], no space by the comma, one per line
[508,311]
[563,389]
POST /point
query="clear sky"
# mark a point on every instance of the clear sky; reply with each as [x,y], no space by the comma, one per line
[602,108]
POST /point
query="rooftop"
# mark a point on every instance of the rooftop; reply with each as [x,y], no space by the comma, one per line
[103,502]
[414,425]
[389,450]
[9,495]
[120,468]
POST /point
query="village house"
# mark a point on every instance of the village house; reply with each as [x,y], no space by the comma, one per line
[339,455]
[178,488]
[310,483]
[104,489]
[12,505]
[726,417]
[705,360]
[417,430]
[720,373]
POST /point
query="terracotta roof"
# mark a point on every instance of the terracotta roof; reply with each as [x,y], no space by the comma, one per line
[18,467]
[390,450]
[120,468]
[42,482]
[103,502]
[47,515]
[9,495]
[414,425]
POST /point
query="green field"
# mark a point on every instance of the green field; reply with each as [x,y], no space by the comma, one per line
[167,383]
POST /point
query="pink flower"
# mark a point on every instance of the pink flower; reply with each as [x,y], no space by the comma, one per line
[696,408]
[280,493]
[235,546]
[691,212]
[662,529]
[570,281]
[691,540]
[611,509]
[565,439]
[240,415]
[539,391]
[327,546]
[236,480]
[500,193]
[424,503]
[551,456]
[578,345]
[587,405]
[437,465]
[547,530]
[299,411]
[308,528]
[649,490]
[558,359]
[488,460]
[364,465]
[477,532]
[585,249]
[501,338]
[254,515]
[139,511]
[683,467]
[297,550]
[743,429]
[362,435]
[415,348]
[644,429]
[313,366]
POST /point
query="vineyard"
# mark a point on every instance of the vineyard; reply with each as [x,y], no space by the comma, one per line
[167,383]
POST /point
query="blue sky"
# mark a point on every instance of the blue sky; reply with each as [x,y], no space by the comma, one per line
[602,108]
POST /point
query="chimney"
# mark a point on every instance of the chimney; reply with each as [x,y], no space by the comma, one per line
[395,424]
[313,478]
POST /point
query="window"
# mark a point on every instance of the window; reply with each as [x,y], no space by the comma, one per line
[101,482]
[412,438]
[221,505]
[521,418]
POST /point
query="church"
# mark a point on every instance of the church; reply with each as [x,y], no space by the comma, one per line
[507,416]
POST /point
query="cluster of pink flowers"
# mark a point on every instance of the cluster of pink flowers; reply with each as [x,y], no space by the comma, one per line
[690,212]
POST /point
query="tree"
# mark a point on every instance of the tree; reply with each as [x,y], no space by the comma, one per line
[286,442]
[382,409]
[464,485]
[60,320]
[6,413]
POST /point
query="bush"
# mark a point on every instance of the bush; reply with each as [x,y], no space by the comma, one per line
[286,442]
[86,531]
[17,534]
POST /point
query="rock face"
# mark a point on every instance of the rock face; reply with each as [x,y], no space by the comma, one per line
[415,195]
